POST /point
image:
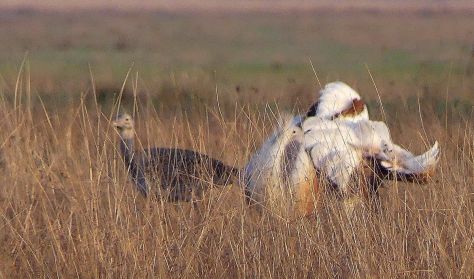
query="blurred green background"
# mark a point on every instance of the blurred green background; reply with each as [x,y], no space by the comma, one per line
[179,60]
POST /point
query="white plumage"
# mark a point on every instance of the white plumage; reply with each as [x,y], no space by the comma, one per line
[337,147]
[336,139]
[281,173]
[337,97]
[405,162]
[339,137]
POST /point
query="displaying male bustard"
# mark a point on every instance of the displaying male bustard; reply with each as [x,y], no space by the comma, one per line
[336,142]
[173,173]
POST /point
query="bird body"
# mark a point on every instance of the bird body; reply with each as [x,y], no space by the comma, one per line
[345,144]
[287,169]
[336,142]
[179,173]
[182,173]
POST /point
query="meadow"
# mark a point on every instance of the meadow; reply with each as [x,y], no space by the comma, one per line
[216,82]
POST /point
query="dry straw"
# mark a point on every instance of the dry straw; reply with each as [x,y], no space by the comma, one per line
[68,209]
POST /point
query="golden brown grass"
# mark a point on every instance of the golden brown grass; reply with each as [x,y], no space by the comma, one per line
[67,208]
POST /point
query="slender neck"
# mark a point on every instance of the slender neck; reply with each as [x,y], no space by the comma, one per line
[128,150]
[127,145]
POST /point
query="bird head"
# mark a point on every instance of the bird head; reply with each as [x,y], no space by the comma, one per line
[124,124]
[290,128]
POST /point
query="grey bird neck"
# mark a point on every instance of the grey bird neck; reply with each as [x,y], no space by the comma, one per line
[127,147]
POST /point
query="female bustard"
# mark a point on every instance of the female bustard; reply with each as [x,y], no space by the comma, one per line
[178,172]
[342,145]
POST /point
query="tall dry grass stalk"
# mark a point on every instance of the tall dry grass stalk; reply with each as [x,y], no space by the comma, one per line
[67,208]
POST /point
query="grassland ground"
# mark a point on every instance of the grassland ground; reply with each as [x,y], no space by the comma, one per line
[215,84]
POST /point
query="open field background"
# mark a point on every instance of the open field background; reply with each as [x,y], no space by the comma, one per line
[213,81]
[247,5]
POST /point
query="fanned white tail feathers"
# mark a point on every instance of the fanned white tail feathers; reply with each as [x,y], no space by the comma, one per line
[407,163]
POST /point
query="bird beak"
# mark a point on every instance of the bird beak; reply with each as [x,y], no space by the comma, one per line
[115,124]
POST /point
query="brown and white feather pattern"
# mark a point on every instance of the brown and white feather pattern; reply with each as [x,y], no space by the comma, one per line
[337,100]
[340,136]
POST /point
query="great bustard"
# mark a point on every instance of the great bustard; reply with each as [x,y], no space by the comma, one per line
[176,173]
[337,142]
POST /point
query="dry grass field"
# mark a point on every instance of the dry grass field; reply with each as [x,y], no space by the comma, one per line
[215,83]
